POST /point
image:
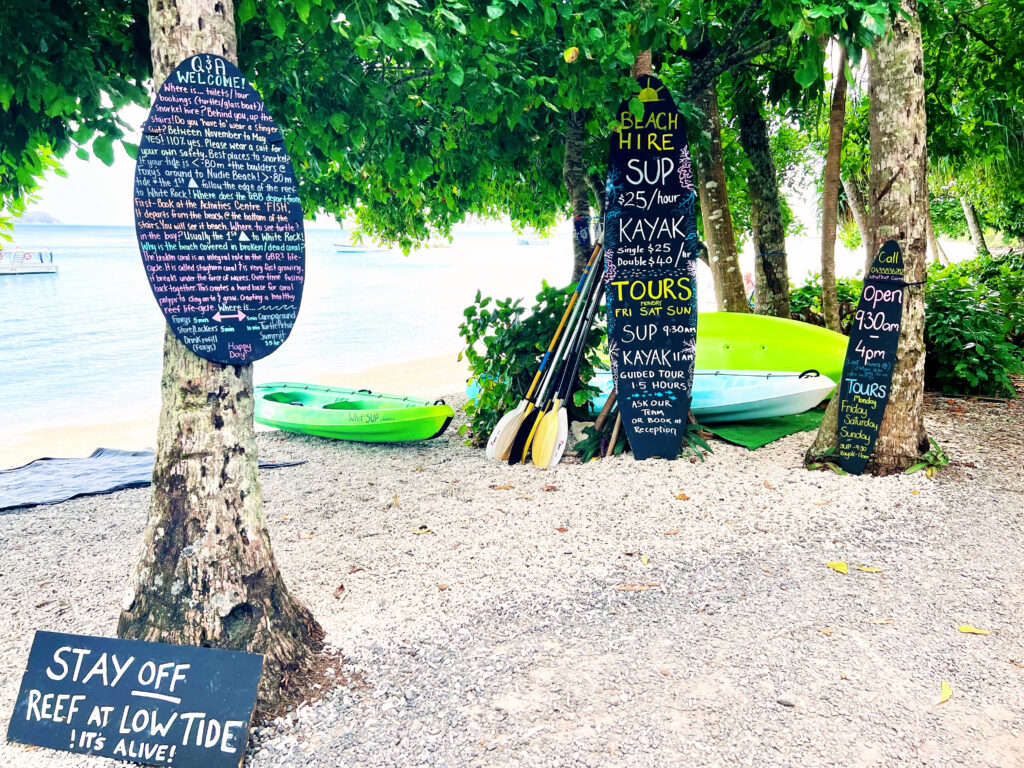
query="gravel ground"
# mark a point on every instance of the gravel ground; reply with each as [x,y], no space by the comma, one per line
[499,638]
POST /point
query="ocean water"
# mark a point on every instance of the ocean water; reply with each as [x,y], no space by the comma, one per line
[84,346]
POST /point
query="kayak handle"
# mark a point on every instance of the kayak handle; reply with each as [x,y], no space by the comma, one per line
[440,401]
[808,374]
[364,390]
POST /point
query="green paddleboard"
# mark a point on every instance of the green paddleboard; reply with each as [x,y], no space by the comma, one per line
[743,341]
[349,414]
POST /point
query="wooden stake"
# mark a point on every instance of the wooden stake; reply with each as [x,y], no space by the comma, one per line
[602,417]
[615,436]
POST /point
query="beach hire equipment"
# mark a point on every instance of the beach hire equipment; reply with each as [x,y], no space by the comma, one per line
[504,433]
[347,414]
[553,429]
[523,442]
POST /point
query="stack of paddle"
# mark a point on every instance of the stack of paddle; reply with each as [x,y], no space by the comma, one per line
[537,428]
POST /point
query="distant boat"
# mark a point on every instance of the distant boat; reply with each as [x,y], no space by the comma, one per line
[355,248]
[27,263]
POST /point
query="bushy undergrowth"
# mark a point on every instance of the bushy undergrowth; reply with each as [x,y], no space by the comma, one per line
[974,322]
[805,300]
[504,346]
[974,325]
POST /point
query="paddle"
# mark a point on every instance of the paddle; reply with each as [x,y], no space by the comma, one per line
[510,425]
[553,430]
[507,427]
[521,447]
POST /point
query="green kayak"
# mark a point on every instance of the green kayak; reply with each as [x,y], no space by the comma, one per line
[742,341]
[349,414]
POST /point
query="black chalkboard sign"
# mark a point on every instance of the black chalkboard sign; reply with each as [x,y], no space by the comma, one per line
[217,214]
[870,359]
[651,272]
[153,703]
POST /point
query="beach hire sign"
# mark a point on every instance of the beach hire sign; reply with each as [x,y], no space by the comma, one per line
[153,703]
[650,275]
[217,214]
[870,359]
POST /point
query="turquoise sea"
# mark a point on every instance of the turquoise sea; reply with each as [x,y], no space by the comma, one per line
[84,346]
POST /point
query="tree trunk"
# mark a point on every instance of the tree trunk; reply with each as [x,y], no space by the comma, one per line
[771,274]
[830,202]
[714,209]
[899,195]
[642,64]
[207,574]
[938,255]
[575,179]
[974,225]
[855,199]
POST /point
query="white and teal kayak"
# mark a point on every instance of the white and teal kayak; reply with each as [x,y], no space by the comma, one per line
[730,395]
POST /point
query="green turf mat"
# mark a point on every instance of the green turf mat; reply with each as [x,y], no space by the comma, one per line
[754,434]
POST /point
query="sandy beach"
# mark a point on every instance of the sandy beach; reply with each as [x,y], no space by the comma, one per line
[615,613]
[426,377]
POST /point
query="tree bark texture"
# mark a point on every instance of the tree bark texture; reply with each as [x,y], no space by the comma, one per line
[830,197]
[855,198]
[575,178]
[899,207]
[714,209]
[974,225]
[642,64]
[207,575]
[771,273]
[938,255]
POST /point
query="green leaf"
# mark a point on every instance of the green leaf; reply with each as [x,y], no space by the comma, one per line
[246,10]
[302,6]
[456,74]
[103,148]
[132,150]
[495,11]
[276,21]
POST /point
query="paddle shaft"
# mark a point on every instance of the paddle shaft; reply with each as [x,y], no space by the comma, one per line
[552,428]
[521,448]
[556,339]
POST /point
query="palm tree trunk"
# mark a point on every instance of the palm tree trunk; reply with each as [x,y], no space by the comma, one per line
[771,285]
[899,193]
[714,210]
[974,225]
[830,203]
[207,574]
[575,179]
[855,199]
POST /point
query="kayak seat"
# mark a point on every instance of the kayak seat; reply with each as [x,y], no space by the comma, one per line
[291,398]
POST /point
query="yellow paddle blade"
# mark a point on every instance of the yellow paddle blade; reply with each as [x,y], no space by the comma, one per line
[529,440]
[546,436]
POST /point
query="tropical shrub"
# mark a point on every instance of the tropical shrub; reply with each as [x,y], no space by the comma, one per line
[504,346]
[974,317]
[805,300]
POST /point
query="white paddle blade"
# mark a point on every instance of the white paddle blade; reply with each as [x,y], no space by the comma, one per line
[561,439]
[492,441]
[503,445]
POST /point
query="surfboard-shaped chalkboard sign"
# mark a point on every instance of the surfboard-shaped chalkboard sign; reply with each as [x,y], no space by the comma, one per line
[870,359]
[217,214]
[650,272]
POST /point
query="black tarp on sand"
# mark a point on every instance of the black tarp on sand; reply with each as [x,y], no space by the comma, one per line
[51,481]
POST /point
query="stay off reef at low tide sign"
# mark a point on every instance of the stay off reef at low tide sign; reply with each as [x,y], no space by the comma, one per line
[154,703]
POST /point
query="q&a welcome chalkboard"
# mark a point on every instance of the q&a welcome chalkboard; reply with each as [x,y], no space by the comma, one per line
[650,272]
[217,214]
[870,359]
[155,703]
